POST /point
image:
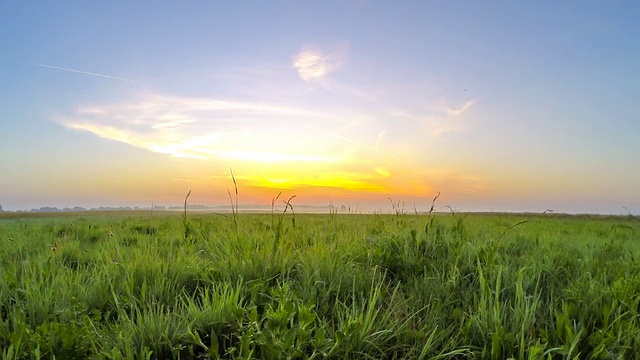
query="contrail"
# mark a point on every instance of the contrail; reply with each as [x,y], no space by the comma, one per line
[357,143]
[86,73]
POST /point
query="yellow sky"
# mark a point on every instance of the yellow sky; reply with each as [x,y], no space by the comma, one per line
[313,152]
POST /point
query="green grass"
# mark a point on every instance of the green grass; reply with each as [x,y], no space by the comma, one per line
[401,286]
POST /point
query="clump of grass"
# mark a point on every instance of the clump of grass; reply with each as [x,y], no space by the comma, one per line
[279,227]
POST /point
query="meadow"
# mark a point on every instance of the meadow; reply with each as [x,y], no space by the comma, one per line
[301,286]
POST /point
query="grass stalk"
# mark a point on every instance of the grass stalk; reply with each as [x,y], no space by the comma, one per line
[185,221]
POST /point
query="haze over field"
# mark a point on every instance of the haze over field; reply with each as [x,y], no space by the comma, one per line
[500,107]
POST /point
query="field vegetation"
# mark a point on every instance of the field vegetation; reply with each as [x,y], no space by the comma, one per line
[285,285]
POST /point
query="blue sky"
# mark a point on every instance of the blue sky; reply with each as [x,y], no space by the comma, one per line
[499,106]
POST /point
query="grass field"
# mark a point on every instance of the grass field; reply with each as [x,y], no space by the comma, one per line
[240,286]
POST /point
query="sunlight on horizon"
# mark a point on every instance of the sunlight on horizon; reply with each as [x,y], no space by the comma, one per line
[273,145]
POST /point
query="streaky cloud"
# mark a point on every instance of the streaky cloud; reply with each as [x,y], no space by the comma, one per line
[202,128]
[380,137]
[439,119]
[374,149]
[87,73]
[460,110]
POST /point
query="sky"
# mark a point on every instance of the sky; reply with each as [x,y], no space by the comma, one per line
[497,105]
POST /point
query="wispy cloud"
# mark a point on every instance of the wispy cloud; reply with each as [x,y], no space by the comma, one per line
[313,64]
[271,157]
[457,112]
[439,118]
[365,146]
[86,73]
[202,128]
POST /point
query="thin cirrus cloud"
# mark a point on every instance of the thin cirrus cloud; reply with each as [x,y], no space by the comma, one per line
[365,146]
[204,128]
[439,119]
[456,112]
[314,67]
[89,73]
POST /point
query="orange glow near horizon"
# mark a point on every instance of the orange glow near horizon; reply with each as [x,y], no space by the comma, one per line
[192,143]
